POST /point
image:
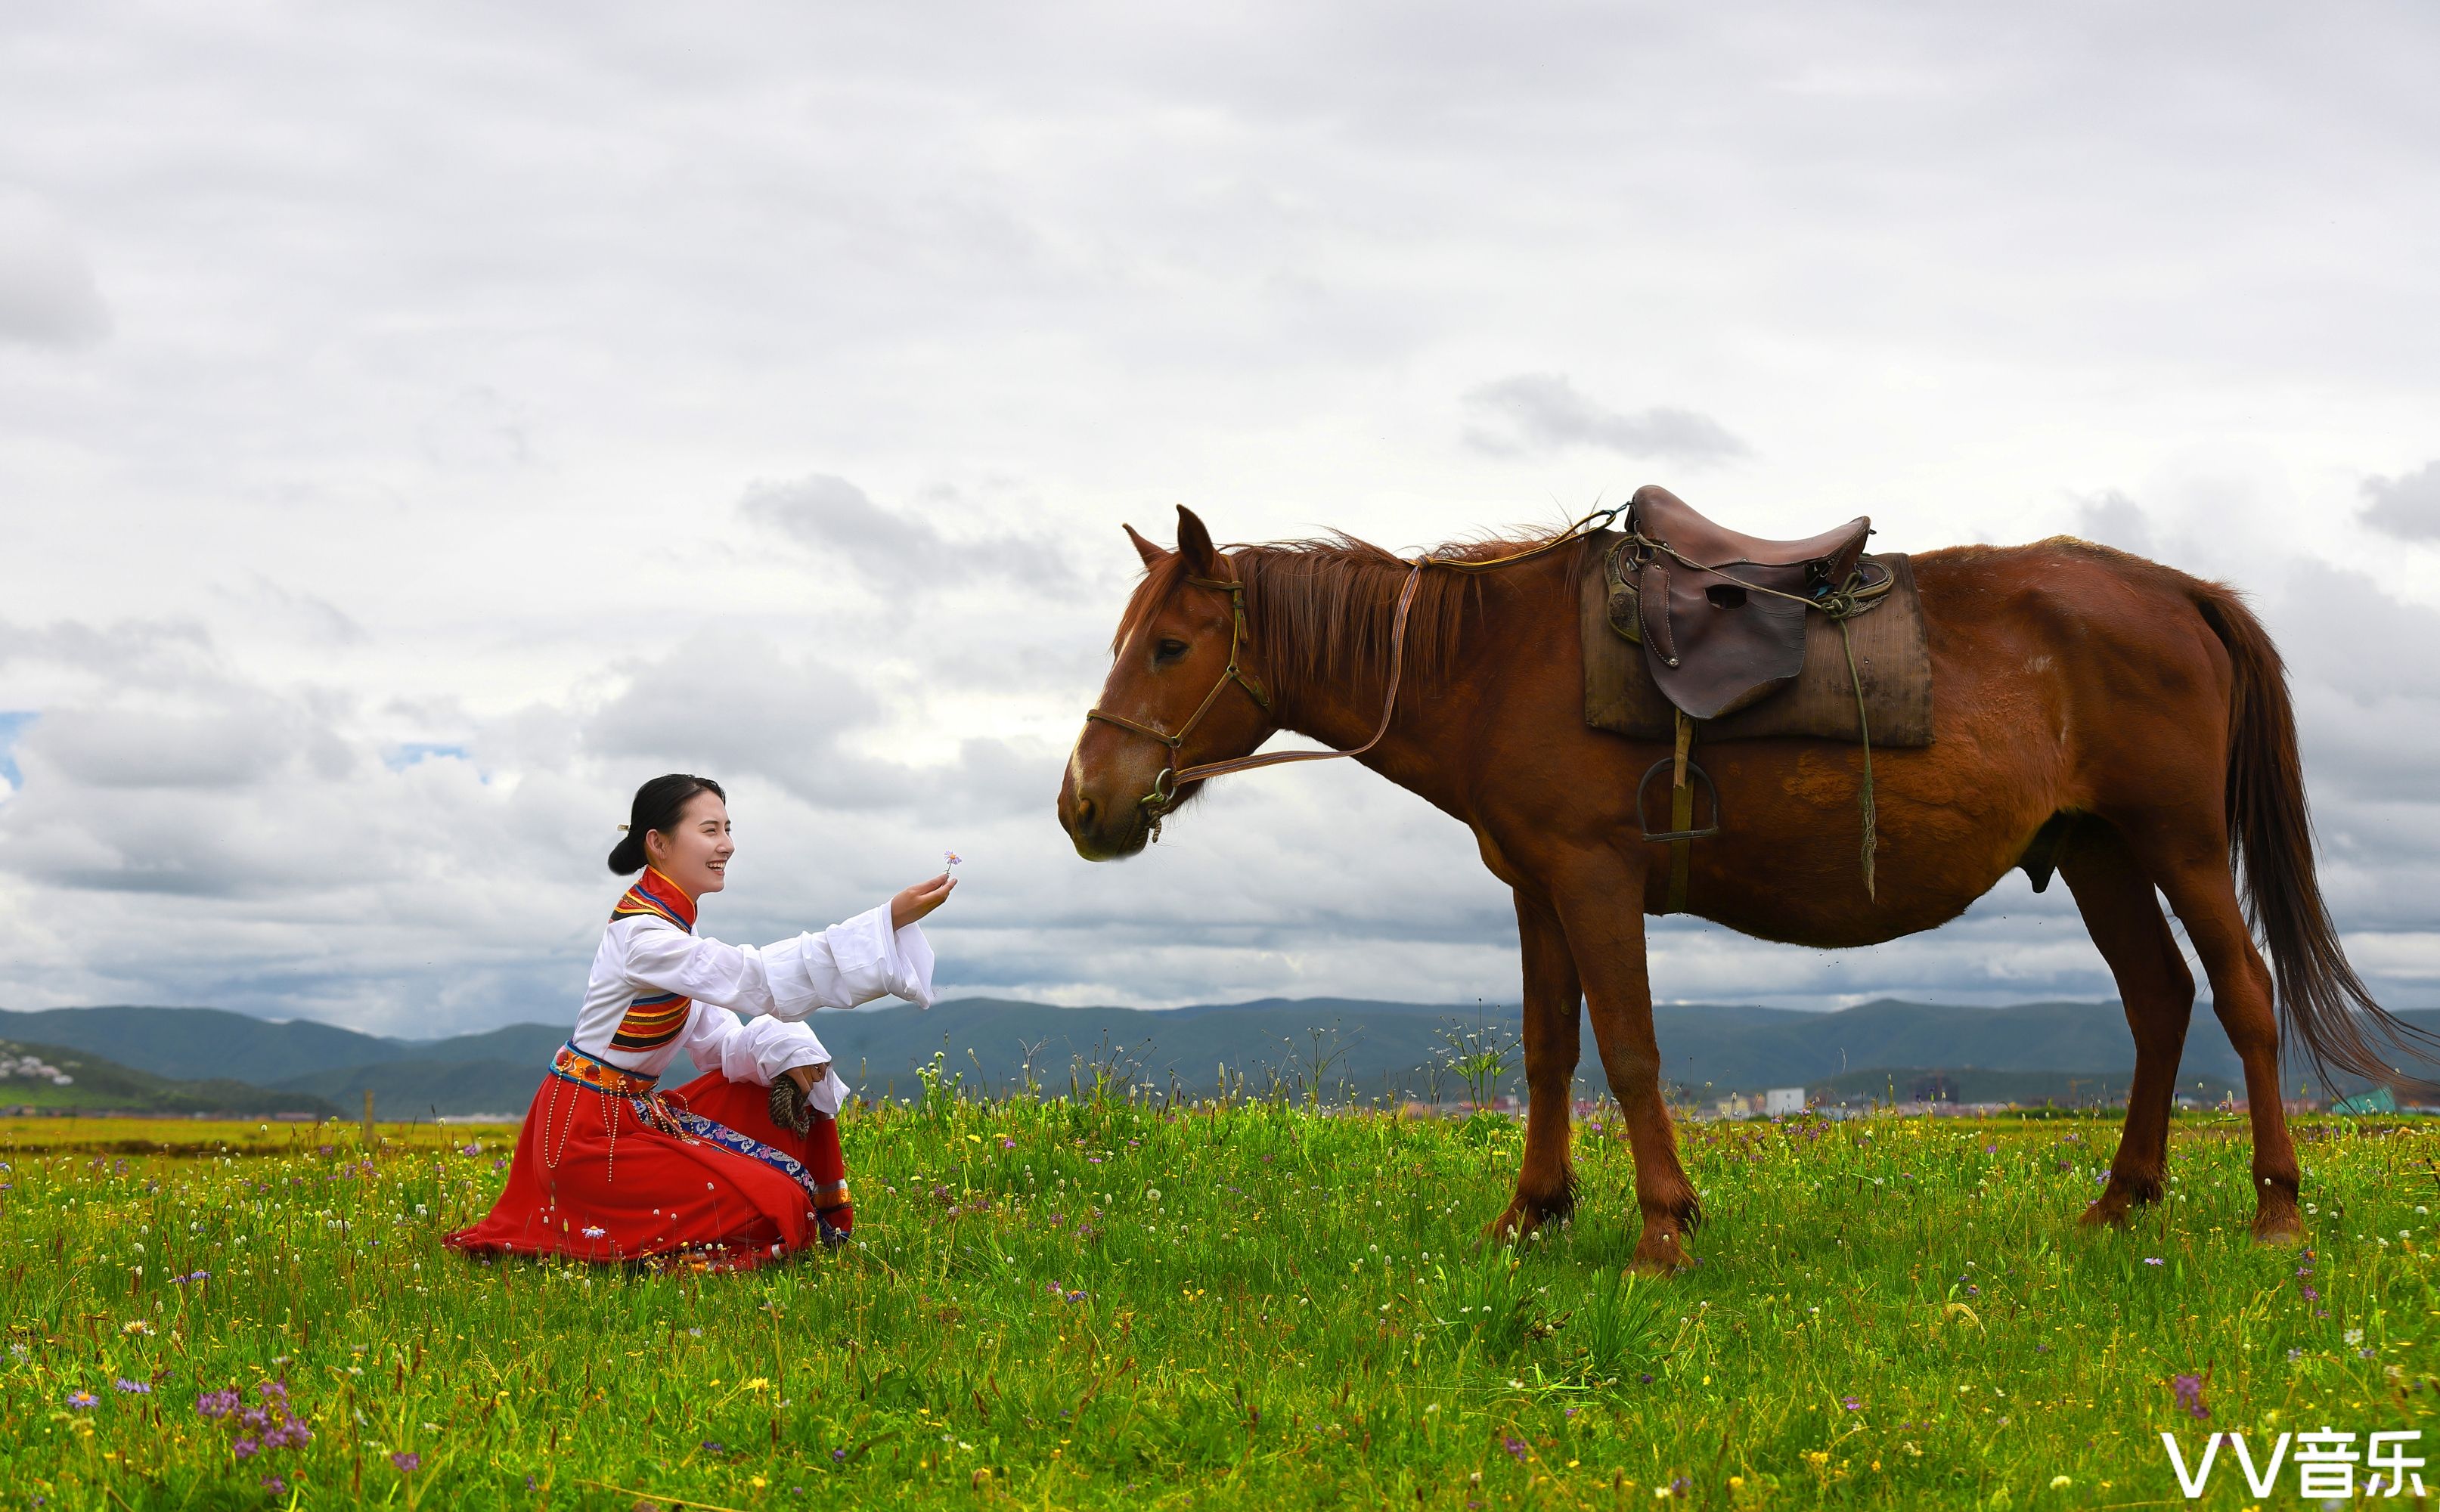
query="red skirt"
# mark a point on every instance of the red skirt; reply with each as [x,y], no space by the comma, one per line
[698,1174]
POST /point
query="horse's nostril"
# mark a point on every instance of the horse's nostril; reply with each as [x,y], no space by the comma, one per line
[1084,810]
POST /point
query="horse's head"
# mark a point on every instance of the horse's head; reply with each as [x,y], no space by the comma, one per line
[1184,689]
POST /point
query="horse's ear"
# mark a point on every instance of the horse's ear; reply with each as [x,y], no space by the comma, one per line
[1145,549]
[1194,544]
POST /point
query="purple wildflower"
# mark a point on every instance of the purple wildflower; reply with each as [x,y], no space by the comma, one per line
[407,1461]
[83,1398]
[216,1403]
[838,1454]
[274,1485]
[713,1445]
[2154,1259]
[1680,1486]
[140,1387]
[1516,1446]
[246,1449]
[2311,1295]
[2189,1391]
[1852,1404]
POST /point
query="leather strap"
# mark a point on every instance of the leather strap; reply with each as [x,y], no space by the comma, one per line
[1681,818]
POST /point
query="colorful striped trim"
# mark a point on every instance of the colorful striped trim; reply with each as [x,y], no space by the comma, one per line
[572,1064]
[652,1021]
[730,1139]
[656,895]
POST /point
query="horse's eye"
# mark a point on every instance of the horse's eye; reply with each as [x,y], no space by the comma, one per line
[1168,650]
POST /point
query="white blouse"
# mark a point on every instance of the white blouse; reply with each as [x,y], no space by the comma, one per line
[650,972]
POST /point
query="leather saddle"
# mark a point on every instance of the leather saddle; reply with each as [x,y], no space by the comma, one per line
[1721,615]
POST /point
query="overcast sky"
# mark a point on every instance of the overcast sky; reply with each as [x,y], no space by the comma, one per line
[419,425]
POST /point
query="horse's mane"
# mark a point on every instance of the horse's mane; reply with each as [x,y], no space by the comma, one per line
[1322,608]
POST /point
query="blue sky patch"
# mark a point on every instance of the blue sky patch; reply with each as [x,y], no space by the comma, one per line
[12,723]
[401,758]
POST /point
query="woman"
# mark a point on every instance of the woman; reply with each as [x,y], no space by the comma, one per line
[740,1165]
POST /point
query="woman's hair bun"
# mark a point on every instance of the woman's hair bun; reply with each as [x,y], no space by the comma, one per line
[658,805]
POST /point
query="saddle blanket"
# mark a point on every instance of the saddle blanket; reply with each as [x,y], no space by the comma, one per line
[1892,658]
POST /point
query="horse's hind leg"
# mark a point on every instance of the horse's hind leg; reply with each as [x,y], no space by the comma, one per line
[2124,915]
[1545,1182]
[2189,863]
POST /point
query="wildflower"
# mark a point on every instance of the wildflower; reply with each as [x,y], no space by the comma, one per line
[838,1454]
[2154,1259]
[713,1445]
[139,1387]
[216,1403]
[2061,1483]
[83,1398]
[2189,1391]
[2355,1336]
[1852,1404]
[1516,1446]
[407,1461]
[247,1449]
[593,1230]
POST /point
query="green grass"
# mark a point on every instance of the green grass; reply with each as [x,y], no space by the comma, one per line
[1890,1313]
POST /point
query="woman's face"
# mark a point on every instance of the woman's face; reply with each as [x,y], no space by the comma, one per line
[694,852]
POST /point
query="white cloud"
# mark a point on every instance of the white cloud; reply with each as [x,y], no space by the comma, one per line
[1543,410]
[2407,505]
[764,398]
[47,294]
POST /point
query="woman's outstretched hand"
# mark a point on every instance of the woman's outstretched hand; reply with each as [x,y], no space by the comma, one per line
[920,899]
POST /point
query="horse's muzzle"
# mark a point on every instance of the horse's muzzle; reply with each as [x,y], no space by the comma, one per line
[1102,811]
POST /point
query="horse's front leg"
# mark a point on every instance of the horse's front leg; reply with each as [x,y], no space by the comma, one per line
[1546,1183]
[1601,906]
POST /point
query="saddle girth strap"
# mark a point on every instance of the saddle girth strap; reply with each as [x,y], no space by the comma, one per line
[1681,817]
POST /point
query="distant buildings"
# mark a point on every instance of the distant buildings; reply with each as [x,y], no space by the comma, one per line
[30,1068]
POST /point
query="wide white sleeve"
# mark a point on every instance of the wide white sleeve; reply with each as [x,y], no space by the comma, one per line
[759,1049]
[848,964]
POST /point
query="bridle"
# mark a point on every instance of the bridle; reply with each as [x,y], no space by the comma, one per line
[1164,787]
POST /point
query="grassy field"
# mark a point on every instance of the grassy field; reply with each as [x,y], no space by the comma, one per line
[1109,1304]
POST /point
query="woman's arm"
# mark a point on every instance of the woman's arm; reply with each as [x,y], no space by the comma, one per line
[761,1050]
[842,965]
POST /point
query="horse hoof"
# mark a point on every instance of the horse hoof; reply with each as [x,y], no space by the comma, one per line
[2283,1230]
[2106,1213]
[1661,1255]
[1516,1223]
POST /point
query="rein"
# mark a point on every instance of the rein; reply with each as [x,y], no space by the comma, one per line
[1164,787]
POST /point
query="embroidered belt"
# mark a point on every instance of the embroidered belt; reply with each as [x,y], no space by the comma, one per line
[572,1064]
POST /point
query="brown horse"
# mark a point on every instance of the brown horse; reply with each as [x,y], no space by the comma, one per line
[2071,680]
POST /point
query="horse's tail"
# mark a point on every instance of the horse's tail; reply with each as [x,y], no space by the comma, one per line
[2327,1007]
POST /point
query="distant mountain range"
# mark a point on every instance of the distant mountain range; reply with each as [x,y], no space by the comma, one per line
[1350,1046]
[54,1077]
